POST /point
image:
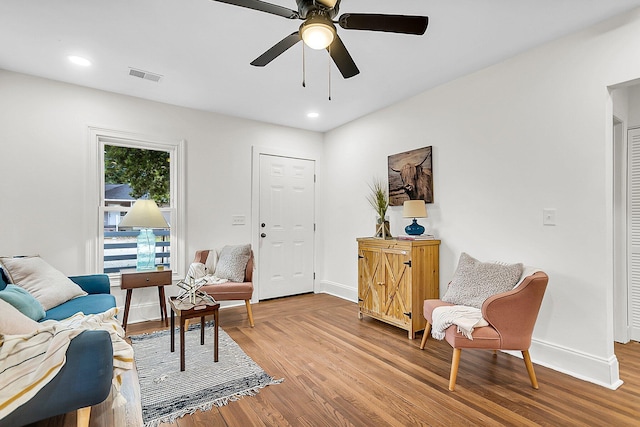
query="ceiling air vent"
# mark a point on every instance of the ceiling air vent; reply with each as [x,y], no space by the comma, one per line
[144,75]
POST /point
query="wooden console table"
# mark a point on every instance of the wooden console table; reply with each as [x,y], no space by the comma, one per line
[133,279]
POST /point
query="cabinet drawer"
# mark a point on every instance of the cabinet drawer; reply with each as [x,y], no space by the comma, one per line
[143,279]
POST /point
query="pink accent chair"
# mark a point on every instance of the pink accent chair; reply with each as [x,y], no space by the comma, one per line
[231,291]
[511,316]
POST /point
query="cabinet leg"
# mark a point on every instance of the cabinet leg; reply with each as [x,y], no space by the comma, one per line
[360,315]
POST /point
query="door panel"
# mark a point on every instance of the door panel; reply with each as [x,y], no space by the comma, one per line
[287,211]
[386,278]
[397,272]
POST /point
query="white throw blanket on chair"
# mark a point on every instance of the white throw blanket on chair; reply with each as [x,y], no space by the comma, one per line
[198,270]
[466,318]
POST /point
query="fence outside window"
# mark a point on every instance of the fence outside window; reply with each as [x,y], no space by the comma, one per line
[120,251]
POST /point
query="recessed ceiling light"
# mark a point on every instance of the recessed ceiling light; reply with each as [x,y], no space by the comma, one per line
[313,115]
[78,60]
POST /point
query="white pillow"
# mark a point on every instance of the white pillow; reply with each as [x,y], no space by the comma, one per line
[48,285]
[12,322]
[475,281]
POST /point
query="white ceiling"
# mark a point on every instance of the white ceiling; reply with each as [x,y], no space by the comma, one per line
[203,48]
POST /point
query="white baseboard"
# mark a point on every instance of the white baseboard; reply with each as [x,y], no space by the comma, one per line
[142,312]
[586,367]
[338,289]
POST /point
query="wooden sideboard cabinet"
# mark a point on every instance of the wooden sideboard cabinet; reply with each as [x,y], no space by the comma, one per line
[394,279]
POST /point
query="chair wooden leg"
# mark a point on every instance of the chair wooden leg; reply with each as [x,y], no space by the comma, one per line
[529,365]
[249,312]
[425,336]
[455,362]
[82,416]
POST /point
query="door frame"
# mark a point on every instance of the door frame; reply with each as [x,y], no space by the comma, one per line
[256,152]
[620,224]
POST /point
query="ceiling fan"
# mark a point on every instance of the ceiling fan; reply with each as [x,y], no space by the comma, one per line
[319,32]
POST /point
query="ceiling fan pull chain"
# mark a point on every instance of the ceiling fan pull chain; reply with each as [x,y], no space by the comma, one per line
[304,74]
[329,62]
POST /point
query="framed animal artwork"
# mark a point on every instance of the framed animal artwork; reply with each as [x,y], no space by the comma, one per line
[411,176]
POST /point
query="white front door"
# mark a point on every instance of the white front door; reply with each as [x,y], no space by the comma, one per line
[286,226]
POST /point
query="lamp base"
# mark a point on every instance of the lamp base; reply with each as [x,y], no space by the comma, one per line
[414,229]
[146,255]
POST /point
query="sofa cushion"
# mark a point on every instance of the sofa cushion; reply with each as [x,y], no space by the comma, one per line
[474,281]
[232,262]
[23,301]
[12,322]
[48,285]
[88,304]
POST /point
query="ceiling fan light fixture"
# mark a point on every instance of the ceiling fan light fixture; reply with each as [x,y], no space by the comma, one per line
[318,33]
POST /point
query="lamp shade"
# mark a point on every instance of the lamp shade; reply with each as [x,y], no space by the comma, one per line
[146,214]
[318,32]
[414,209]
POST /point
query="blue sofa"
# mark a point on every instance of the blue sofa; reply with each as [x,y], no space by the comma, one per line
[85,379]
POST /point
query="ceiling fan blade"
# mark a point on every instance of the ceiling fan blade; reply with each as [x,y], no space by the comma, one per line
[277,50]
[390,23]
[342,58]
[264,7]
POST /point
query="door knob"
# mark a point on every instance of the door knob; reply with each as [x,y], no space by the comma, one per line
[263,235]
[263,225]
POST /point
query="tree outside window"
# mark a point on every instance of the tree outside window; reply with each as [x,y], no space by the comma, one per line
[130,174]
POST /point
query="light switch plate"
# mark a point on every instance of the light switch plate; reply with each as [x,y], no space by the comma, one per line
[238,220]
[549,216]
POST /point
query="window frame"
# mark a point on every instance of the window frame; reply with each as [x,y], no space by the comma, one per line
[175,147]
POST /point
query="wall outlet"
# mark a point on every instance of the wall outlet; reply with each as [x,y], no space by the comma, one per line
[238,220]
[549,216]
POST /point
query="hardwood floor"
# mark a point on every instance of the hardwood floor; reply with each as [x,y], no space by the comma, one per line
[341,371]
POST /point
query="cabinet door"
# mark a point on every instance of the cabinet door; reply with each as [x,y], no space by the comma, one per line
[397,290]
[370,278]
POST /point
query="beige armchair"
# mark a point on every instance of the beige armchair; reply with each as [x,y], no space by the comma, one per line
[511,316]
[231,291]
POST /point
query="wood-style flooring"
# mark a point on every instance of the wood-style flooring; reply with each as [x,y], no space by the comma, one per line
[341,371]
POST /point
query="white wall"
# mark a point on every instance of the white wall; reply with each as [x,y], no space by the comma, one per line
[530,133]
[46,173]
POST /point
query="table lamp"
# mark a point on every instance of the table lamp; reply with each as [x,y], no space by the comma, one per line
[414,209]
[146,215]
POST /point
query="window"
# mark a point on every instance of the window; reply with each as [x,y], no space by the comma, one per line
[131,167]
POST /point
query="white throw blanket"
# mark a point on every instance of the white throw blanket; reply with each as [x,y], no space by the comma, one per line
[28,362]
[466,318]
[198,270]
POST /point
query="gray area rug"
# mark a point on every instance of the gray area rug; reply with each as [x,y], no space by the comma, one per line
[168,394]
